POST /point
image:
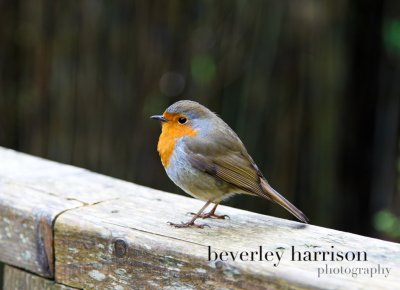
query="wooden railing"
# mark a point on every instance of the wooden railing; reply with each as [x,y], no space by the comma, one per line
[63,227]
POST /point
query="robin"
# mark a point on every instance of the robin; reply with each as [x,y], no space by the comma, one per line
[204,156]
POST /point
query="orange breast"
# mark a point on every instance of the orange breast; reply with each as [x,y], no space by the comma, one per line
[171,132]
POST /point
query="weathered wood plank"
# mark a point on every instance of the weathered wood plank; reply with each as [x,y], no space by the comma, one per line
[33,192]
[60,180]
[113,234]
[129,244]
[16,279]
[26,219]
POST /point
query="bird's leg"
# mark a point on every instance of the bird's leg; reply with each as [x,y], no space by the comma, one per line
[212,214]
[191,222]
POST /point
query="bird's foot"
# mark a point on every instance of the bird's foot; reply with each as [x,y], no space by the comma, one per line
[211,215]
[188,225]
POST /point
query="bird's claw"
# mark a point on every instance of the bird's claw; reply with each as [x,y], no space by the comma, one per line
[188,225]
[223,216]
[211,215]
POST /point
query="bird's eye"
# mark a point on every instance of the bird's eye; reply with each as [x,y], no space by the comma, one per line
[182,120]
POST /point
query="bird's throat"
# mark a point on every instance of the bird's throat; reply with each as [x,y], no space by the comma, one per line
[170,134]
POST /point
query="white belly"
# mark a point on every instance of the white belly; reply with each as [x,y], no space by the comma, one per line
[195,182]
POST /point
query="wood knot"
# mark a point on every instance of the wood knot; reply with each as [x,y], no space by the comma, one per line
[219,265]
[120,248]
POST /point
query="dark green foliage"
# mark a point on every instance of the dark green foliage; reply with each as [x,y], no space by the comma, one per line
[311,87]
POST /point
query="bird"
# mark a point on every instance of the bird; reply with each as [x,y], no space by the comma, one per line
[203,156]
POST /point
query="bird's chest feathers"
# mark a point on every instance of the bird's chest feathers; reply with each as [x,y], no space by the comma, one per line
[170,134]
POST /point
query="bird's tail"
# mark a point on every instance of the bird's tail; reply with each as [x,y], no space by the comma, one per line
[273,195]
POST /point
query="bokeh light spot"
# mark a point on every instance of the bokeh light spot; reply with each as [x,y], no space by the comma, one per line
[391,35]
[203,69]
[172,83]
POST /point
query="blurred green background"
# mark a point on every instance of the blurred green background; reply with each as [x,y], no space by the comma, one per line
[311,87]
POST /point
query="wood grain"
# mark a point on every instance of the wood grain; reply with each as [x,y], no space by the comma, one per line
[155,255]
[16,279]
[26,234]
[111,234]
[33,192]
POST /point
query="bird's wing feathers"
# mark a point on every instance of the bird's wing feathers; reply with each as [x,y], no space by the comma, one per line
[230,163]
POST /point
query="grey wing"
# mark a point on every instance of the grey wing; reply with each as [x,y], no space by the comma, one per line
[231,164]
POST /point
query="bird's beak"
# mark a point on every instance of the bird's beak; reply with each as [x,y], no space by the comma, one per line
[159,118]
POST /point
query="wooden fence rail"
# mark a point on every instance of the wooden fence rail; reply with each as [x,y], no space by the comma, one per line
[64,227]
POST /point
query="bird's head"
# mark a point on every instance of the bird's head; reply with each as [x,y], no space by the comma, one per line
[185,118]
